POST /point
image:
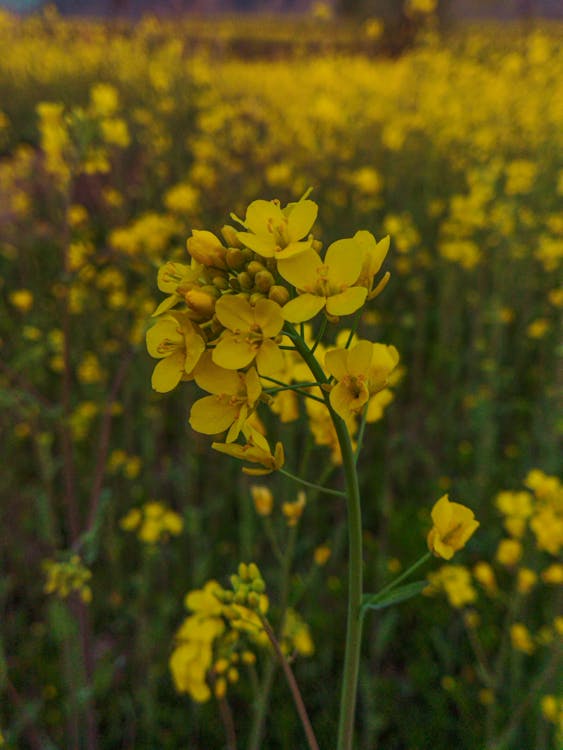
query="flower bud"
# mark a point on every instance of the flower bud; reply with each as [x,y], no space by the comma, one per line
[255,267]
[207,249]
[263,499]
[245,280]
[264,281]
[230,236]
[278,294]
[235,258]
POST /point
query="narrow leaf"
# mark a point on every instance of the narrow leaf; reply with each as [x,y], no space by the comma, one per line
[388,599]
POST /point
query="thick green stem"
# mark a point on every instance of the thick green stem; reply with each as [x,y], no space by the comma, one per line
[355,561]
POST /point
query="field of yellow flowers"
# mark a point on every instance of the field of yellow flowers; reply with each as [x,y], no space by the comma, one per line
[120,524]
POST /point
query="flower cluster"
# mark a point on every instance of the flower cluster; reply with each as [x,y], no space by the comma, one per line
[66,577]
[228,323]
[153,522]
[223,632]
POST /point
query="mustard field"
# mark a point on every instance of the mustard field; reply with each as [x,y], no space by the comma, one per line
[280,319]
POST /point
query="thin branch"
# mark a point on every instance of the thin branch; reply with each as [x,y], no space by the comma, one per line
[293,686]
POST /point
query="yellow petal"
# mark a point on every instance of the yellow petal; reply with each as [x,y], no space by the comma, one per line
[346,302]
[262,244]
[168,372]
[235,313]
[269,359]
[268,315]
[301,219]
[344,259]
[215,379]
[442,513]
[260,213]
[336,362]
[232,352]
[302,308]
[360,357]
[164,336]
[301,270]
[253,386]
[293,249]
[213,414]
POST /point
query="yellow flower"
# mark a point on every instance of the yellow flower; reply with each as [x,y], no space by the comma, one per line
[455,582]
[256,451]
[360,372]
[234,397]
[324,284]
[553,574]
[521,639]
[175,279]
[276,232]
[322,555]
[454,524]
[509,551]
[293,511]
[374,255]
[526,580]
[547,526]
[484,573]
[175,340]
[263,499]
[249,335]
[22,300]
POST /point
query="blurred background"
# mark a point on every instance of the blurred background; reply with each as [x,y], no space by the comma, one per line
[123,126]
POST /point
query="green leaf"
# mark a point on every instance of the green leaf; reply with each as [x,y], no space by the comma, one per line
[388,599]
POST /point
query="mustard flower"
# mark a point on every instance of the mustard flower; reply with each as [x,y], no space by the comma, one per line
[455,582]
[276,232]
[250,334]
[360,372]
[374,253]
[521,638]
[255,451]
[328,283]
[454,524]
[263,499]
[509,551]
[234,396]
[176,341]
[172,276]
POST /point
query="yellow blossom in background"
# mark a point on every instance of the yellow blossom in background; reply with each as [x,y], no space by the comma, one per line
[263,499]
[509,552]
[521,639]
[153,522]
[64,578]
[485,575]
[21,299]
[322,555]
[296,636]
[455,582]
[454,524]
[294,510]
[104,99]
[526,580]
[553,574]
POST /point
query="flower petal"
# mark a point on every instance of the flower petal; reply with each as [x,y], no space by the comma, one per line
[213,414]
[215,379]
[346,302]
[269,359]
[336,362]
[344,259]
[301,270]
[168,372]
[302,308]
[232,352]
[268,315]
[235,313]
[301,219]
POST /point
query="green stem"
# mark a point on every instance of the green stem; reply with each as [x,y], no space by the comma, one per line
[311,484]
[355,562]
[360,439]
[406,574]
